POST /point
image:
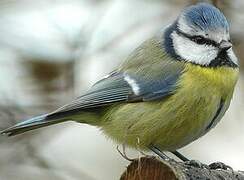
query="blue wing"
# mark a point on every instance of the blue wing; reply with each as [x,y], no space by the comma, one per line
[148,74]
[116,88]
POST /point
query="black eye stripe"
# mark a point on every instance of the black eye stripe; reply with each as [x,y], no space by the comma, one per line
[198,39]
[202,40]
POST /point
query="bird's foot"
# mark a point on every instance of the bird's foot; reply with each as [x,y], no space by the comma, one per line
[219,165]
[196,164]
[193,163]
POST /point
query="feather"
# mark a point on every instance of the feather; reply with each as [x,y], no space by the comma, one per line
[33,123]
[149,74]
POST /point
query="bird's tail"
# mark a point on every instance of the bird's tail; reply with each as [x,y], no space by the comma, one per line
[33,123]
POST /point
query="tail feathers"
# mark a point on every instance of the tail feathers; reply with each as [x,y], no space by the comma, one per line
[33,123]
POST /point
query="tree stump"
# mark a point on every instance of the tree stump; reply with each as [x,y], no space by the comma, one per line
[151,168]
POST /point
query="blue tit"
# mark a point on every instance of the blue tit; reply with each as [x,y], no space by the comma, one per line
[170,91]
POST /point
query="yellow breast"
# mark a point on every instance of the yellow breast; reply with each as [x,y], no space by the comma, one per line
[195,104]
[220,79]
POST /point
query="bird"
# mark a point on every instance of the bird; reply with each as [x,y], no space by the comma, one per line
[171,90]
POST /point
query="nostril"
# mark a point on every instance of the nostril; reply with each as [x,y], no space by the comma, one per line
[225,45]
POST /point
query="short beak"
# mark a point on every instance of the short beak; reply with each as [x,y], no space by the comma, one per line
[225,45]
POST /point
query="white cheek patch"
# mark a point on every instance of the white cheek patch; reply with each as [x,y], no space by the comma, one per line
[193,52]
[132,82]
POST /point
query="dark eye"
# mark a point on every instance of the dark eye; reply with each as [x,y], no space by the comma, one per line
[199,39]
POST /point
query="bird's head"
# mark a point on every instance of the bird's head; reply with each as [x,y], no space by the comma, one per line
[200,35]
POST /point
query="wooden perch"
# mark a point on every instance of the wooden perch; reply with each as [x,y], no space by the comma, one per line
[151,168]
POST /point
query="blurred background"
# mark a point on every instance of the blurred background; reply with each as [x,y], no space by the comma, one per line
[53,50]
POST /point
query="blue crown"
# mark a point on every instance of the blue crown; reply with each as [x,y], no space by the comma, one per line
[206,17]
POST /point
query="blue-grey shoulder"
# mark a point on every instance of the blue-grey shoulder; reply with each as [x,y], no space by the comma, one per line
[205,16]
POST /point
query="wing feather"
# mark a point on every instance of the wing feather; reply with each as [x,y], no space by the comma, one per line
[153,72]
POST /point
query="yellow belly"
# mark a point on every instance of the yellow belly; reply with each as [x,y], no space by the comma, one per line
[176,120]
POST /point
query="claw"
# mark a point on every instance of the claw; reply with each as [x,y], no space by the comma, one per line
[196,164]
[219,165]
[123,154]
